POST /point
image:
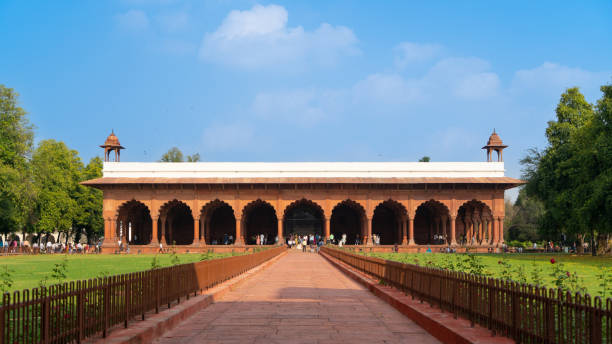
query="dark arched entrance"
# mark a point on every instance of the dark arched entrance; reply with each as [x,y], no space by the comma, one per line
[303,217]
[134,223]
[431,223]
[387,222]
[474,224]
[219,223]
[260,218]
[178,223]
[347,218]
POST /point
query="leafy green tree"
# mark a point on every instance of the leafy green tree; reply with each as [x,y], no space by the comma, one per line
[547,179]
[525,218]
[16,189]
[425,159]
[173,155]
[57,172]
[572,177]
[193,158]
[89,201]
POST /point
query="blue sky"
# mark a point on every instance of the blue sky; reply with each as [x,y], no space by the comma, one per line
[302,81]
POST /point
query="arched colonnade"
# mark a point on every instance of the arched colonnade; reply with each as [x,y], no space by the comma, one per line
[431,222]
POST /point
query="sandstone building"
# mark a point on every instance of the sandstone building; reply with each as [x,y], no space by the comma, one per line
[410,204]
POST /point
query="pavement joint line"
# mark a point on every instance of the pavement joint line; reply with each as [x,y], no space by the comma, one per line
[156,325]
[451,331]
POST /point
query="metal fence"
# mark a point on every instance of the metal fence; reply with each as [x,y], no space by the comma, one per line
[522,312]
[70,312]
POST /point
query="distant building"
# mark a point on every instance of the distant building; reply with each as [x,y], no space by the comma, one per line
[194,205]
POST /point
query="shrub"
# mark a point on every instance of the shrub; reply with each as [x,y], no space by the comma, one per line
[6,280]
[155,263]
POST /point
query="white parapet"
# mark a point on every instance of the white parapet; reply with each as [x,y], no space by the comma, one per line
[303,169]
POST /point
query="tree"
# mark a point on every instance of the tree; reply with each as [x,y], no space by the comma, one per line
[572,177]
[89,201]
[590,168]
[425,159]
[525,218]
[193,158]
[16,137]
[57,172]
[172,155]
[175,155]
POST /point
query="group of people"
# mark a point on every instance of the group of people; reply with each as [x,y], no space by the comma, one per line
[264,239]
[15,246]
[310,242]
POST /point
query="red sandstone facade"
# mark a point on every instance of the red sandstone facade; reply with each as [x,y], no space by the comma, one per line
[197,213]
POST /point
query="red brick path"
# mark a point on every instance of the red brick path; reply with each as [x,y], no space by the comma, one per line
[299,299]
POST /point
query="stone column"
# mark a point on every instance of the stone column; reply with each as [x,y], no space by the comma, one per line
[489,237]
[196,231]
[501,230]
[279,231]
[154,232]
[411,231]
[495,232]
[405,231]
[202,234]
[238,240]
[453,240]
[326,228]
[163,230]
[368,238]
[108,225]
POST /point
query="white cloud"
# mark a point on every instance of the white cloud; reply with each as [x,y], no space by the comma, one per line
[387,89]
[303,106]
[229,136]
[459,78]
[132,20]
[553,77]
[407,53]
[449,81]
[260,37]
[477,86]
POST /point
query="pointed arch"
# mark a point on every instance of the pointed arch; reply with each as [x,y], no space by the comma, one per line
[259,218]
[388,220]
[176,223]
[473,220]
[303,217]
[348,218]
[431,223]
[134,223]
[218,223]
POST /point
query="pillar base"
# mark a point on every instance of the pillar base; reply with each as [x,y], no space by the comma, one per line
[411,242]
[404,241]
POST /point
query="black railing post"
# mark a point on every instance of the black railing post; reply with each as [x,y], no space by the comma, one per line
[80,320]
[106,307]
[46,312]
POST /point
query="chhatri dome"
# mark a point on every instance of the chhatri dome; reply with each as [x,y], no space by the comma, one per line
[494,144]
[112,144]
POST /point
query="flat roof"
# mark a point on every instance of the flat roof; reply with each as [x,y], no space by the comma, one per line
[303,170]
[304,173]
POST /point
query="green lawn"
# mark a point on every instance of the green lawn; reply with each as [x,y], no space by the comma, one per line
[586,268]
[27,271]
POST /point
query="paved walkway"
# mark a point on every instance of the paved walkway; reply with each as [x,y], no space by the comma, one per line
[300,298]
